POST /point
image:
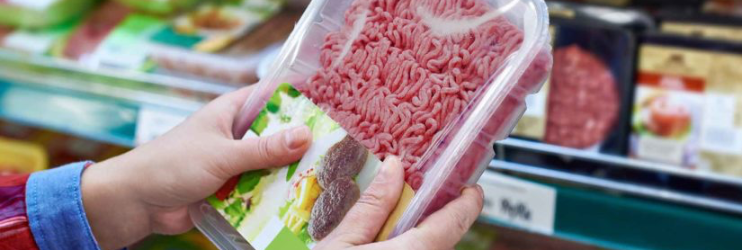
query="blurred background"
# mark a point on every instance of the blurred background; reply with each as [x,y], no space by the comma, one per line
[650,157]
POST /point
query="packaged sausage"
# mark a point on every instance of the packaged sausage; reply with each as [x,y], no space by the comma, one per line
[586,102]
[86,37]
[226,54]
[40,13]
[112,36]
[434,83]
[688,104]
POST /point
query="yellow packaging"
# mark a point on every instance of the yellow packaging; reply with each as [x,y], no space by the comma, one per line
[21,157]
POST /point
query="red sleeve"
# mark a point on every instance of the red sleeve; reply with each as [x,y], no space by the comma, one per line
[15,232]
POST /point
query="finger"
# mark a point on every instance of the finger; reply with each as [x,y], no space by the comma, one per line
[364,221]
[233,100]
[276,150]
[444,228]
[224,108]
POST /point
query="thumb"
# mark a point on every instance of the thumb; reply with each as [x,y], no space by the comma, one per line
[277,150]
[366,218]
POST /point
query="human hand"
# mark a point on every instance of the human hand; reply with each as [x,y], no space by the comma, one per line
[440,231]
[149,189]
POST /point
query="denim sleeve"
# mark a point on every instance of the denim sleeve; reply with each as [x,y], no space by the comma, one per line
[55,211]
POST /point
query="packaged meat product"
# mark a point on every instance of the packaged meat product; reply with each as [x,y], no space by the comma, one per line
[688,107]
[37,14]
[585,103]
[87,36]
[231,56]
[160,6]
[112,36]
[434,83]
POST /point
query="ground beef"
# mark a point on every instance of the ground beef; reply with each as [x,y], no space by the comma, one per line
[583,100]
[401,71]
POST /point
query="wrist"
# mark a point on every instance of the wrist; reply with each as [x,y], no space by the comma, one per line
[117,218]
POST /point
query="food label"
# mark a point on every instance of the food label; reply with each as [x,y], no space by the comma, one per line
[289,207]
[153,122]
[126,46]
[662,150]
[518,202]
[688,109]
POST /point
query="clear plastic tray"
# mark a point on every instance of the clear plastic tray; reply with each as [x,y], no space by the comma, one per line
[459,151]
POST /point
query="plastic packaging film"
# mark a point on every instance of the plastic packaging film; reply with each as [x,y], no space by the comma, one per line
[435,83]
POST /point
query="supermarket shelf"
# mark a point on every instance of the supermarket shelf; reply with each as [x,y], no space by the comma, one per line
[621,221]
[615,186]
[112,117]
[658,181]
[571,153]
[102,104]
[105,81]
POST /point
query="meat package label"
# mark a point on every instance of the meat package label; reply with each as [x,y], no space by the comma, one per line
[295,206]
[214,26]
[688,109]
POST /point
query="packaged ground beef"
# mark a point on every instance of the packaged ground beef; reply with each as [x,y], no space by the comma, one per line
[432,82]
[586,102]
[688,104]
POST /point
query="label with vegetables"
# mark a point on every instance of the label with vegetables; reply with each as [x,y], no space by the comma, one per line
[295,206]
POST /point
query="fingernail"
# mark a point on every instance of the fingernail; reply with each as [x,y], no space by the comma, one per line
[297,137]
[480,190]
[390,162]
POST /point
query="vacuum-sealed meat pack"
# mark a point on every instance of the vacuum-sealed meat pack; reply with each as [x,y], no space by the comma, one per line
[434,83]
[585,104]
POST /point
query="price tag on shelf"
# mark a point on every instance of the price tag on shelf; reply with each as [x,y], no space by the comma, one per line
[153,122]
[519,203]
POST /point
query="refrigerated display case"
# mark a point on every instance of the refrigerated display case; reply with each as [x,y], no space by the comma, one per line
[589,198]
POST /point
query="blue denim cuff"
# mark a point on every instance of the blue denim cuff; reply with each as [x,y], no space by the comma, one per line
[55,211]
